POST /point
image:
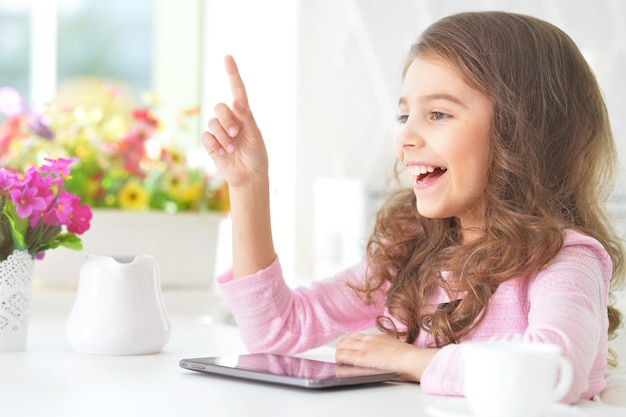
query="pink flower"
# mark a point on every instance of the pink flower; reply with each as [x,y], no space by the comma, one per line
[58,166]
[7,179]
[32,178]
[44,187]
[79,220]
[27,201]
[61,211]
[26,178]
[36,218]
[53,215]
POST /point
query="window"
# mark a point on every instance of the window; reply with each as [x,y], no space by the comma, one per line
[110,40]
[45,43]
[15,45]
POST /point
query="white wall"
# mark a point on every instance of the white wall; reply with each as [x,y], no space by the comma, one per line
[175,26]
[261,35]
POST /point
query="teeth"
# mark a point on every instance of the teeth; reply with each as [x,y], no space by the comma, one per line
[416,170]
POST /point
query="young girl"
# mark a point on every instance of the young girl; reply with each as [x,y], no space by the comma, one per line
[506,139]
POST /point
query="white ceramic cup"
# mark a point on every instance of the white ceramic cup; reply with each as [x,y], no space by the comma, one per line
[514,378]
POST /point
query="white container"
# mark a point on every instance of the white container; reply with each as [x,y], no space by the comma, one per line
[118,308]
[16,274]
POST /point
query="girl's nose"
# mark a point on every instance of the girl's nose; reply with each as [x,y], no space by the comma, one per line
[409,136]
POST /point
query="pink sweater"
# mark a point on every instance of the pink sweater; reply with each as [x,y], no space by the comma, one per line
[565,303]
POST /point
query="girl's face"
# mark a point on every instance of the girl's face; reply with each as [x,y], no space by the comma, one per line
[444,141]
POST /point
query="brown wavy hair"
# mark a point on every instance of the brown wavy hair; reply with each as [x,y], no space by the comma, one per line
[552,163]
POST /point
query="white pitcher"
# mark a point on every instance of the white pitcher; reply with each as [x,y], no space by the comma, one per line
[118,308]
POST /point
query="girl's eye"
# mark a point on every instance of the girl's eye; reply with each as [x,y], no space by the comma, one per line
[403,118]
[437,115]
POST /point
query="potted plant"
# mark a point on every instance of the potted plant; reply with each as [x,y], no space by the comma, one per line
[38,214]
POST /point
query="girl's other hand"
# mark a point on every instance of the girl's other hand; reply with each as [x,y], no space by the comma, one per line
[233,140]
[384,352]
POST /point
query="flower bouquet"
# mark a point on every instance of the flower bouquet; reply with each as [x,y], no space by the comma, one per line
[38,213]
[126,160]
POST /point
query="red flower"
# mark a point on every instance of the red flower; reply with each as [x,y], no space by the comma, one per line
[146,116]
[10,130]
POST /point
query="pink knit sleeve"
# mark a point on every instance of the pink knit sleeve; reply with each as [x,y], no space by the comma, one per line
[274,318]
[567,305]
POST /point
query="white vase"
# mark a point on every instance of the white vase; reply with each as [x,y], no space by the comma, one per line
[16,274]
[184,245]
[118,308]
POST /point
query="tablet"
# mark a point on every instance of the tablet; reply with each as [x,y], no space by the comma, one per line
[288,370]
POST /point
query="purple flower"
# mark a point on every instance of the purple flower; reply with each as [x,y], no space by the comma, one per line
[38,124]
[13,105]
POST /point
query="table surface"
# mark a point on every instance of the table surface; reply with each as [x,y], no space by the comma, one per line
[50,379]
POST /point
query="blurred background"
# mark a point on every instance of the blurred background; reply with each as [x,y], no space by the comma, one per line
[323,79]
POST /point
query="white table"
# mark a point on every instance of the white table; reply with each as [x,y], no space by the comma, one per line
[49,380]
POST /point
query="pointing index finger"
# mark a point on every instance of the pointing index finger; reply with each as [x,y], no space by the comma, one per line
[236,84]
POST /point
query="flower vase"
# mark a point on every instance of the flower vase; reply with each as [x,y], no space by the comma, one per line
[16,275]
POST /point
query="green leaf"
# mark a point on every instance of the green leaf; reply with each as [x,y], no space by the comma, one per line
[18,225]
[71,241]
[68,240]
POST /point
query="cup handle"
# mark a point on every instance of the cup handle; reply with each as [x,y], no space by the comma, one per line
[566,377]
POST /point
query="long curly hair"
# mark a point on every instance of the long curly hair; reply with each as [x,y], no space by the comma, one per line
[552,163]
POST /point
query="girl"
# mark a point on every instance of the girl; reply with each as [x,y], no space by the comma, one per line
[506,139]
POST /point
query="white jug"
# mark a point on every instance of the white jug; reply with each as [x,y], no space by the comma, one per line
[118,308]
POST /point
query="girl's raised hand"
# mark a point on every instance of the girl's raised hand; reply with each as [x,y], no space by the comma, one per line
[233,140]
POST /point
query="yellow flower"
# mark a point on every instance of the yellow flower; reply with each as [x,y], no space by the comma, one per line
[150,99]
[132,196]
[175,157]
[221,198]
[193,193]
[174,184]
[114,127]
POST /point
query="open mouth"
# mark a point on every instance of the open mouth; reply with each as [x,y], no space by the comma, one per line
[425,173]
[430,176]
